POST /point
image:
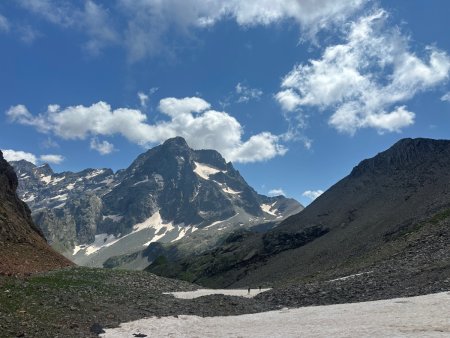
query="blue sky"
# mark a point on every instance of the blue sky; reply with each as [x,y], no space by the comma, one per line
[295,93]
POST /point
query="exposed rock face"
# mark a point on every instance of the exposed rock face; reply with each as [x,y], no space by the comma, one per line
[168,193]
[23,248]
[389,203]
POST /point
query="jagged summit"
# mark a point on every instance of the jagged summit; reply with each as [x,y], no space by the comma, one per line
[167,193]
[177,141]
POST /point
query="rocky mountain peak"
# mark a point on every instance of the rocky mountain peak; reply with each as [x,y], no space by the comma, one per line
[176,142]
[167,193]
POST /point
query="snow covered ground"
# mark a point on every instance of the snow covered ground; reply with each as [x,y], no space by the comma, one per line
[423,316]
[227,292]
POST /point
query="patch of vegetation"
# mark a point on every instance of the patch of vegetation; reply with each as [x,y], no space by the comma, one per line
[440,216]
[117,261]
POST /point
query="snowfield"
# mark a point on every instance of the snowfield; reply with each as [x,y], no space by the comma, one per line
[423,316]
[206,292]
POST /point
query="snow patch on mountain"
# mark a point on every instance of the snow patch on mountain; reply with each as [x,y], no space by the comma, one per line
[94,173]
[268,209]
[46,179]
[114,218]
[101,241]
[140,182]
[30,198]
[57,179]
[204,170]
[231,191]
[62,197]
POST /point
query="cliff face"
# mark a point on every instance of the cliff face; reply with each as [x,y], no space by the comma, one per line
[23,248]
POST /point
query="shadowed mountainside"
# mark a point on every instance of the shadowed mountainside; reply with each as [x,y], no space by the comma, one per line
[392,208]
[23,248]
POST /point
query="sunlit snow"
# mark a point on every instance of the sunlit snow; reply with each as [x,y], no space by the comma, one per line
[267,208]
[94,173]
[204,171]
[423,316]
[231,191]
[206,292]
[46,179]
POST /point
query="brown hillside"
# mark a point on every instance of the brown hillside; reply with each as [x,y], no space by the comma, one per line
[23,249]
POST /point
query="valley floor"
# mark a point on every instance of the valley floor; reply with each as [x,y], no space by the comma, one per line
[422,316]
[82,302]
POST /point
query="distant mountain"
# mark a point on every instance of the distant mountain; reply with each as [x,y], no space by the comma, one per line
[23,248]
[168,193]
[392,213]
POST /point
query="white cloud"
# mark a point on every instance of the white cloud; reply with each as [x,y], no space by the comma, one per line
[150,20]
[276,192]
[312,194]
[191,118]
[52,158]
[17,155]
[365,79]
[103,147]
[143,99]
[4,24]
[142,26]
[246,94]
[446,97]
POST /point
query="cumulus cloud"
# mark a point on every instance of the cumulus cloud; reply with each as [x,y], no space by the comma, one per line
[17,155]
[312,194]
[276,192]
[246,94]
[191,118]
[52,158]
[446,97]
[103,147]
[146,23]
[365,79]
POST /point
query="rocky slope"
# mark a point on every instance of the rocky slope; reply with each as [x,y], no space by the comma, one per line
[167,194]
[23,248]
[393,208]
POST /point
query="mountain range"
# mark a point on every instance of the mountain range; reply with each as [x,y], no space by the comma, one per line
[381,232]
[390,214]
[169,193]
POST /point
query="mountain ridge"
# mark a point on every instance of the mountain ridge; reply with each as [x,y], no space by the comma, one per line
[382,200]
[165,194]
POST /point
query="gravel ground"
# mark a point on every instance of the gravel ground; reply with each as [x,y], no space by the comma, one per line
[79,302]
[82,302]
